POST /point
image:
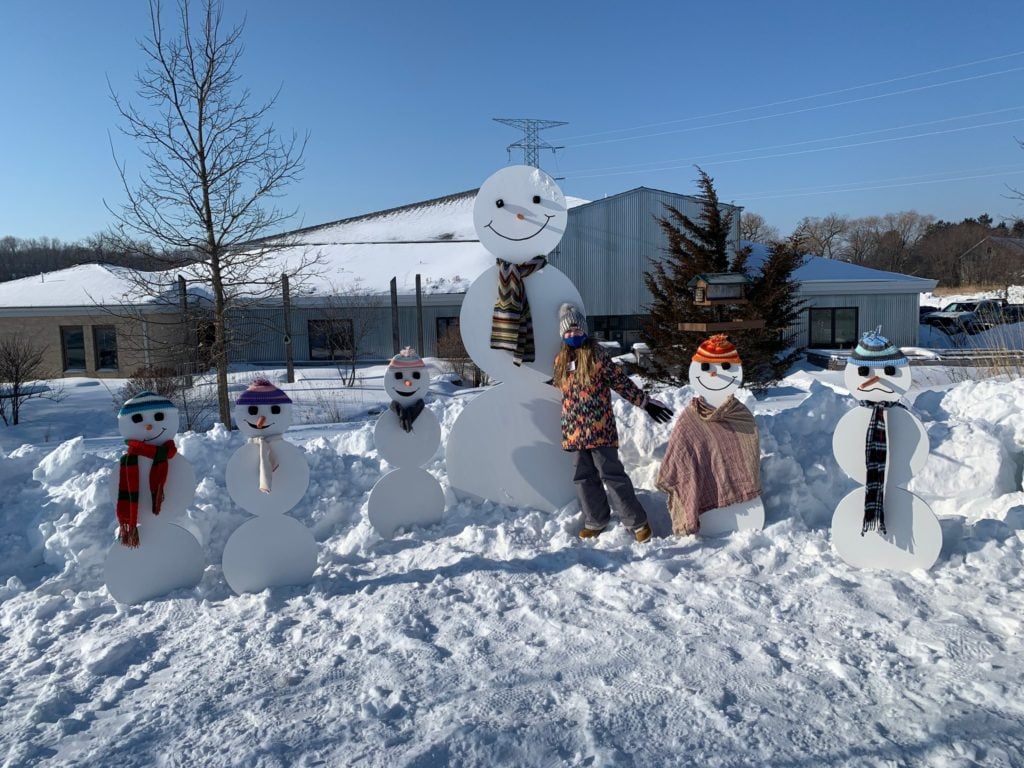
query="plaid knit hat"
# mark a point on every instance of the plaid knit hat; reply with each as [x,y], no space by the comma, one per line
[717,349]
[407,358]
[570,317]
[262,392]
[145,401]
[876,350]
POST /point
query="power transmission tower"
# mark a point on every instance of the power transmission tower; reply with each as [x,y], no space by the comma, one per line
[531,140]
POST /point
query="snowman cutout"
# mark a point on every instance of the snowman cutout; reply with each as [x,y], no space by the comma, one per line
[267,477]
[505,446]
[881,445]
[154,553]
[715,424]
[407,435]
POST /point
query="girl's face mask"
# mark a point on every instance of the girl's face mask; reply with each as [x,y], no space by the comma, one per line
[575,341]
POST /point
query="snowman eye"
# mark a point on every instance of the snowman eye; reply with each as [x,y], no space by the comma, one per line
[726,366]
[253,410]
[536,198]
[705,366]
[137,418]
[275,409]
[398,374]
[863,370]
[415,374]
[500,203]
[890,370]
[158,416]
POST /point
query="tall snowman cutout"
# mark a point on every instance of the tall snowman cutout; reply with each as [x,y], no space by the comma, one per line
[712,466]
[267,477]
[881,445]
[155,485]
[407,435]
[505,446]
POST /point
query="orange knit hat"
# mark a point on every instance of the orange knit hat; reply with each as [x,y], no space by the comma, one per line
[717,349]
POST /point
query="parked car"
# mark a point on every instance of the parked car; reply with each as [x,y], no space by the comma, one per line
[967,316]
[1013,313]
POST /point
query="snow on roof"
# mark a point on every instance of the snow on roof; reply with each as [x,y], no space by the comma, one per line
[820,275]
[79,286]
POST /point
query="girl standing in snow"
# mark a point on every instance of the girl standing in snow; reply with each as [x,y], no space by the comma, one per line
[586,377]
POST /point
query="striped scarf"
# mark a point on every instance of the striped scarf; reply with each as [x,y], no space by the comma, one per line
[875,451]
[128,485]
[512,323]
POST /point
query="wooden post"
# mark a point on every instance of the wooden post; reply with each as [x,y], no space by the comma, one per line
[419,318]
[396,339]
[189,347]
[288,355]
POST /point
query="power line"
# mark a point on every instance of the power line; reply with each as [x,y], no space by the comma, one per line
[798,98]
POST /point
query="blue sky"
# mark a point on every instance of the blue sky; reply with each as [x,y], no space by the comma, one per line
[399,98]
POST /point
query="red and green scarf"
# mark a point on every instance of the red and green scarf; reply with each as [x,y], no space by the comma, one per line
[128,485]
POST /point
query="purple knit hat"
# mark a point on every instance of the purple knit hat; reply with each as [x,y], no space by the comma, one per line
[262,392]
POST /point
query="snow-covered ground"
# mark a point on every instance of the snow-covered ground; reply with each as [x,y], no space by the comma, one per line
[498,638]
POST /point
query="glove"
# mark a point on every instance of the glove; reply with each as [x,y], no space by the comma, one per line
[659,412]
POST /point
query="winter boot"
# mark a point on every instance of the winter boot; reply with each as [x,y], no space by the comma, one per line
[643,533]
[590,533]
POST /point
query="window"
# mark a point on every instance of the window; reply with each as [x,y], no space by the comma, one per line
[72,344]
[104,340]
[833,327]
[330,339]
[446,324]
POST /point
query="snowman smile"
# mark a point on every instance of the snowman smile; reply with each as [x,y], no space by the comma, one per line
[518,239]
[254,426]
[406,394]
[155,437]
[717,389]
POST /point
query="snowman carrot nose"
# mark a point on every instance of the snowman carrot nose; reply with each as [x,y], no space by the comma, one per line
[869,382]
[408,383]
[714,373]
[261,421]
[520,216]
[149,427]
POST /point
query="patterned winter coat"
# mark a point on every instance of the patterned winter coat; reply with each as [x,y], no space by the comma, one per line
[587,417]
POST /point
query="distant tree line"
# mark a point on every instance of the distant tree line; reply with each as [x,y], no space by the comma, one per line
[969,252]
[25,257]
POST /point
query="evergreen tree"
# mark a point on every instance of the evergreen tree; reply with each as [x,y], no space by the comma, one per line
[703,246]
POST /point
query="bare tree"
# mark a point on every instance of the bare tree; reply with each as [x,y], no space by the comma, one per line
[213,166]
[822,236]
[754,228]
[348,317]
[23,373]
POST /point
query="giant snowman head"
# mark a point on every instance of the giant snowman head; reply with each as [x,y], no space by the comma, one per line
[876,371]
[406,379]
[716,371]
[263,410]
[520,213]
[148,418]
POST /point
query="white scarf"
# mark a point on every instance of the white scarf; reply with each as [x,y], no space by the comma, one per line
[268,461]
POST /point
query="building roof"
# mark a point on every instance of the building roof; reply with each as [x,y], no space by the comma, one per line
[84,285]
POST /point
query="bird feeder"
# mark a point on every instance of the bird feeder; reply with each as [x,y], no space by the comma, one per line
[718,289]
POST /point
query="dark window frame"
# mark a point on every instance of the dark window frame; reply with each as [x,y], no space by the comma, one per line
[443,324]
[335,332]
[97,353]
[832,343]
[64,329]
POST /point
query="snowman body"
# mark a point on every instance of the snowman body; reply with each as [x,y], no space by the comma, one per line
[407,495]
[913,537]
[505,446]
[169,555]
[267,477]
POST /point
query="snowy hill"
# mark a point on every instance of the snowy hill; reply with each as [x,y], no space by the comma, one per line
[497,637]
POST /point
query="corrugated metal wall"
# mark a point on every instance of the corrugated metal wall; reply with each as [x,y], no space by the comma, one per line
[608,245]
[258,333]
[896,313]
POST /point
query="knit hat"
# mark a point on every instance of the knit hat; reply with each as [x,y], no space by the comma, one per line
[570,317]
[407,358]
[145,401]
[262,392]
[717,349]
[876,350]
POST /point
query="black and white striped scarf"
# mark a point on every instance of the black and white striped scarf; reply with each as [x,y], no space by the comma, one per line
[875,450]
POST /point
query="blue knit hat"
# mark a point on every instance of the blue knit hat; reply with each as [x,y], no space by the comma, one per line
[876,350]
[145,401]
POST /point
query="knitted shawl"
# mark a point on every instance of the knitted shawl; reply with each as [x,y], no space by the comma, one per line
[713,460]
[128,485]
[512,323]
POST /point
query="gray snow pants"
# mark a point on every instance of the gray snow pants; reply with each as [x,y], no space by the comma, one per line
[590,468]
